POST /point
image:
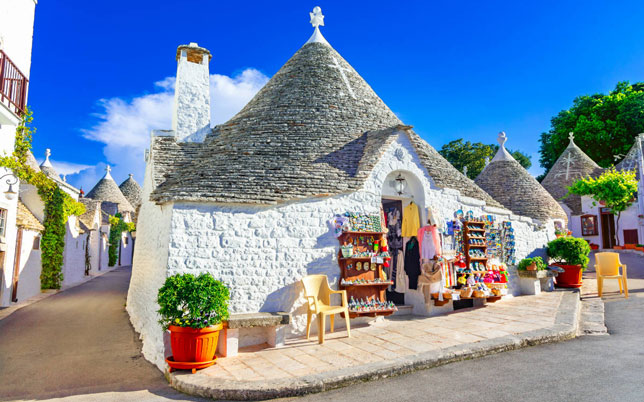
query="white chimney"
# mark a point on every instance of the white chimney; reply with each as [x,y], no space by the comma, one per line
[191,112]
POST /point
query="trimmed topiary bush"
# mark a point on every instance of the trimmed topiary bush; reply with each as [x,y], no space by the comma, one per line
[569,251]
[524,263]
[192,301]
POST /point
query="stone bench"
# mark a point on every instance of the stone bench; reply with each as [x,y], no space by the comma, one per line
[249,329]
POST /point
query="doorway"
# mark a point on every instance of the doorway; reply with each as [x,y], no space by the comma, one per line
[608,228]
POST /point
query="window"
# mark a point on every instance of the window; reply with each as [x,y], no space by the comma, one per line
[37,243]
[3,222]
[589,225]
[126,240]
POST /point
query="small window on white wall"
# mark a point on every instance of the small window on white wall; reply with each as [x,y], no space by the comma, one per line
[126,240]
[37,243]
[3,221]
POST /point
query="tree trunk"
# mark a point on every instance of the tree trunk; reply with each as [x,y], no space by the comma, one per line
[619,214]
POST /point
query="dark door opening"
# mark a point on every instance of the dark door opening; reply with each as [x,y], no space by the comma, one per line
[608,229]
[630,236]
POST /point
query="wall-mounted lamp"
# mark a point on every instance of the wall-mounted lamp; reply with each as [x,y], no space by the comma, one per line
[11,181]
[400,184]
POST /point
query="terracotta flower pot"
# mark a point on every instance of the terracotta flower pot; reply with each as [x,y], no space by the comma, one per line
[532,267]
[618,247]
[571,277]
[629,246]
[194,345]
[639,249]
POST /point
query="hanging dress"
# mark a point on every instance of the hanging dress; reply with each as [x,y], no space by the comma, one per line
[412,262]
[410,221]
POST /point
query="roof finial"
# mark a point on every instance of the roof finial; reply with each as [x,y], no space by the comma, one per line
[571,137]
[130,175]
[502,154]
[317,20]
[108,169]
[47,155]
[502,138]
[487,160]
[465,170]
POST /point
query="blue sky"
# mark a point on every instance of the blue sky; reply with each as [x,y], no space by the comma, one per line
[101,73]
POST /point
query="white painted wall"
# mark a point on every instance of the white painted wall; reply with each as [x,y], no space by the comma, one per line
[7,243]
[103,251]
[126,249]
[30,267]
[262,252]
[629,219]
[16,31]
[149,271]
[191,107]
[74,254]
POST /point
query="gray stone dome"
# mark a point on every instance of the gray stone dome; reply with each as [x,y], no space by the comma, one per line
[132,191]
[572,165]
[510,184]
[107,190]
[314,129]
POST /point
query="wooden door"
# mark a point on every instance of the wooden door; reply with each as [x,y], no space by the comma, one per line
[608,230]
[630,236]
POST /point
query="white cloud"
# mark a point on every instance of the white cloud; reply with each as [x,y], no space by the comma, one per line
[67,168]
[124,125]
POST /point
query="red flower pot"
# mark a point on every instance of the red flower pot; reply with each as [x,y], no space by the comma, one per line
[629,246]
[194,345]
[571,277]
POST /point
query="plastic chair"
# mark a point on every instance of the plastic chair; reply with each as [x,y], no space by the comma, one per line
[318,294]
[607,267]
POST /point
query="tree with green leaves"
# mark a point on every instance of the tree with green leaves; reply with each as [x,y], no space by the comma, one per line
[465,153]
[605,126]
[615,189]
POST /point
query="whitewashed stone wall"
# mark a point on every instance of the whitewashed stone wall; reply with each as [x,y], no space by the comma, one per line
[126,249]
[74,254]
[30,267]
[262,252]
[629,219]
[149,271]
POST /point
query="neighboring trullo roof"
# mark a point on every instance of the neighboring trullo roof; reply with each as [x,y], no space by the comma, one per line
[107,190]
[47,168]
[31,162]
[132,191]
[632,159]
[26,220]
[305,133]
[510,184]
[572,165]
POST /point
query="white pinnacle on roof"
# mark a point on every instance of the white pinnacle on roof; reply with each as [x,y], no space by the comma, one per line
[47,167]
[502,154]
[47,155]
[317,19]
[108,169]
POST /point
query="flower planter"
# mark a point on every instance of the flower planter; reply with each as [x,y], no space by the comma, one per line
[194,345]
[639,249]
[571,277]
[594,246]
[532,267]
[618,247]
[629,246]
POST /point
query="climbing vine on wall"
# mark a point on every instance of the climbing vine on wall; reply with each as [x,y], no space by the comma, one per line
[117,227]
[59,206]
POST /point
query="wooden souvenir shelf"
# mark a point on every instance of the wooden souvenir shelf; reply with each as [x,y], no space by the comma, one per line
[363,291]
[474,230]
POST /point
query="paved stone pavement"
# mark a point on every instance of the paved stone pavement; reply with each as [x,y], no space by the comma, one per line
[394,338]
[75,342]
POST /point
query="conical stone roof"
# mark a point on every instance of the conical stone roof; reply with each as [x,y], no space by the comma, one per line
[47,168]
[511,185]
[132,191]
[107,190]
[303,134]
[572,165]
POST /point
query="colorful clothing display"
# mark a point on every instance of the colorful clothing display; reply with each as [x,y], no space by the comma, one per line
[410,220]
[430,242]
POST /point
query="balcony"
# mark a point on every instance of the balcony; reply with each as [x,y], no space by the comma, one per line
[13,85]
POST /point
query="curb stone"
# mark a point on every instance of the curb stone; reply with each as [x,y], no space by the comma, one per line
[565,327]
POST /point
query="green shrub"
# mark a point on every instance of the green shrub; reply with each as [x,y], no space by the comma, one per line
[569,251]
[192,301]
[523,264]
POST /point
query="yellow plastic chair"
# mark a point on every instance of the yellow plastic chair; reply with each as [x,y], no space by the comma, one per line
[318,294]
[607,267]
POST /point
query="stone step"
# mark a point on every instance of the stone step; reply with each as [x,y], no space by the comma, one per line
[404,310]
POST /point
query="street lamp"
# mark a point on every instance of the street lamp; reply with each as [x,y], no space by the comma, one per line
[400,184]
[11,180]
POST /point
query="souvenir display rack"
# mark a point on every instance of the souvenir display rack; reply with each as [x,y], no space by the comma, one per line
[474,242]
[361,272]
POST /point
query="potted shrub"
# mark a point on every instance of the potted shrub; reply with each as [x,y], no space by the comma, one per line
[532,264]
[640,247]
[193,308]
[594,246]
[559,233]
[571,254]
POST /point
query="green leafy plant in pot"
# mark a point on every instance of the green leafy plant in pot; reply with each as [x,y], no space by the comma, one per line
[193,308]
[532,264]
[571,254]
